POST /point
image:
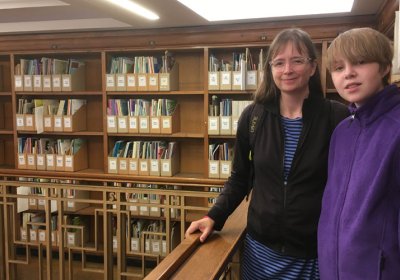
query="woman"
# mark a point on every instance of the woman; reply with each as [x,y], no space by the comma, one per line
[289,162]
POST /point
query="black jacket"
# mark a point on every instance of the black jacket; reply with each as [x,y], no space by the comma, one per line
[284,218]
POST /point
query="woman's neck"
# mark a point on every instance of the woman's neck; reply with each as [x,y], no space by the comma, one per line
[291,105]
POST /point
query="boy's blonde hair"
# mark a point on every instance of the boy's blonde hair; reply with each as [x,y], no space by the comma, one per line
[364,44]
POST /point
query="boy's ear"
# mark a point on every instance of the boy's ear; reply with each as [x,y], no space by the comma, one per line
[386,70]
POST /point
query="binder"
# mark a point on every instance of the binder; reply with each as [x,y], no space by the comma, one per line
[20,120]
[152,82]
[112,165]
[225,80]
[75,122]
[112,124]
[131,82]
[144,124]
[225,169]
[77,161]
[110,82]
[142,82]
[121,82]
[133,124]
[37,83]
[225,125]
[155,125]
[155,169]
[41,162]
[251,79]
[47,83]
[169,81]
[50,162]
[213,125]
[123,165]
[133,166]
[48,123]
[213,80]
[213,169]
[122,124]
[31,161]
[169,167]
[74,81]
[18,83]
[28,83]
[144,167]
[56,82]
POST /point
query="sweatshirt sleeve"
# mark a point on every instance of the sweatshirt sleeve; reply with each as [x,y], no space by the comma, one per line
[235,188]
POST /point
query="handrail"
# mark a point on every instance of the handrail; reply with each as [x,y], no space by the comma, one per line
[194,260]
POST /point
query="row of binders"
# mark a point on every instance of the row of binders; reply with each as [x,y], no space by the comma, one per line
[142,116]
[49,74]
[143,73]
[51,115]
[241,73]
[224,115]
[51,154]
[144,158]
[220,158]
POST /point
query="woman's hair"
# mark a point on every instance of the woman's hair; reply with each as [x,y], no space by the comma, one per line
[362,44]
[302,41]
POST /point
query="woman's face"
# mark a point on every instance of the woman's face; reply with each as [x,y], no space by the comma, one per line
[291,70]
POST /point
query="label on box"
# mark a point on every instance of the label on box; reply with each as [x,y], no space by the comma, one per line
[226,79]
[153,81]
[133,123]
[67,122]
[134,245]
[21,159]
[113,164]
[237,79]
[20,121]
[28,81]
[131,81]
[41,202]
[213,79]
[29,121]
[251,78]
[122,123]
[165,166]
[66,82]
[31,159]
[164,81]
[166,123]
[70,238]
[212,124]
[46,82]
[56,82]
[213,167]
[71,204]
[225,123]
[111,121]
[115,243]
[18,81]
[154,165]
[59,161]
[32,201]
[24,234]
[225,168]
[57,122]
[143,166]
[120,81]
[68,161]
[133,208]
[122,164]
[147,246]
[37,81]
[40,160]
[155,123]
[47,122]
[42,236]
[143,209]
[50,160]
[144,123]
[133,165]
[33,235]
[156,247]
[110,81]
[154,209]
[142,80]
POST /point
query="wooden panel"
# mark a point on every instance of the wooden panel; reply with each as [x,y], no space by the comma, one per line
[191,153]
[5,80]
[94,114]
[191,113]
[386,17]
[95,155]
[190,70]
[93,74]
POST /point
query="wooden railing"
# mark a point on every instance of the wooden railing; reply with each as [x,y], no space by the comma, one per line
[195,260]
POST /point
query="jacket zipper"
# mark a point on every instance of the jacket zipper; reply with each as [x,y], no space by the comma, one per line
[344,200]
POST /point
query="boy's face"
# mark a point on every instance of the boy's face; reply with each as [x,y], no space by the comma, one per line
[356,83]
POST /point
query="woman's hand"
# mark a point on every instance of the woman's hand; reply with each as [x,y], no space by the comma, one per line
[205,225]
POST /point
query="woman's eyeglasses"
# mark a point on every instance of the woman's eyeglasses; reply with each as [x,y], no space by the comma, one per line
[295,62]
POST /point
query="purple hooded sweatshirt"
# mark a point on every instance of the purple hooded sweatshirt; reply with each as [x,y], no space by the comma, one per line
[358,232]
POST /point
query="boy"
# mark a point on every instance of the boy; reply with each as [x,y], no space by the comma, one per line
[358,232]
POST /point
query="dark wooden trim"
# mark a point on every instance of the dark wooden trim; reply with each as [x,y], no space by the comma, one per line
[234,34]
[386,17]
